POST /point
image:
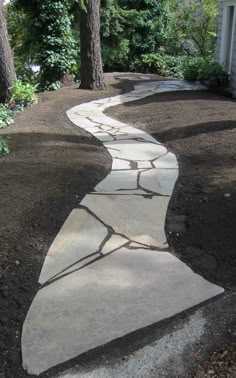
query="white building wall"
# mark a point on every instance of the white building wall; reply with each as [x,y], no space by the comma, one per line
[233,67]
[219,31]
[220,41]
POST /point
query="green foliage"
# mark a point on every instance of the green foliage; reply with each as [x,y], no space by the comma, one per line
[192,67]
[131,28]
[4,146]
[212,71]
[192,27]
[56,55]
[23,92]
[163,32]
[5,116]
[164,65]
[49,26]
[22,41]
[183,67]
[52,86]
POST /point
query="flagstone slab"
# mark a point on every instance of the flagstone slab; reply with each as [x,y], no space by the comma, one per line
[161,181]
[135,150]
[132,133]
[167,161]
[73,243]
[79,120]
[119,180]
[144,164]
[103,137]
[119,164]
[122,292]
[139,219]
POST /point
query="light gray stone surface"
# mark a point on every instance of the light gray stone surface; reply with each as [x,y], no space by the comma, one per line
[118,294]
[119,180]
[135,150]
[167,161]
[119,164]
[161,181]
[160,359]
[73,243]
[139,219]
[113,243]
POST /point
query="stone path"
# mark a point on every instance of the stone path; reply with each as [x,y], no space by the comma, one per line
[108,272]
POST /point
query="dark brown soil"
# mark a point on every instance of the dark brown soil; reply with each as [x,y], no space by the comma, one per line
[52,165]
[222,363]
[200,128]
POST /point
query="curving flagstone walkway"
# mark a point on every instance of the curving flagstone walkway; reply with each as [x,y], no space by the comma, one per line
[108,272]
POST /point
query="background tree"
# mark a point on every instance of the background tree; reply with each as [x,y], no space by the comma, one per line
[131,28]
[7,71]
[91,70]
[50,32]
[193,27]
[20,30]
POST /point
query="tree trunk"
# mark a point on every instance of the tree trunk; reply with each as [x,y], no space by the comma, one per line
[91,71]
[7,70]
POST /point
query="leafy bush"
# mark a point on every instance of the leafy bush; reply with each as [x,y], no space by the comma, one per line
[164,65]
[212,71]
[131,28]
[4,146]
[192,27]
[52,86]
[186,67]
[5,116]
[44,37]
[23,92]
[208,70]
[191,68]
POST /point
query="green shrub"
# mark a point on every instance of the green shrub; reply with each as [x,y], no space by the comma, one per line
[52,86]
[191,68]
[4,146]
[181,67]
[212,71]
[164,65]
[23,92]
[5,116]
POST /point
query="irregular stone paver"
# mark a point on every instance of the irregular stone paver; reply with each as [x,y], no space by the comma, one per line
[116,295]
[135,150]
[118,180]
[161,181]
[137,218]
[73,243]
[106,274]
[167,161]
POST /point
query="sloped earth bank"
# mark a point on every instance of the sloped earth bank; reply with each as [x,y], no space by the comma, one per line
[46,176]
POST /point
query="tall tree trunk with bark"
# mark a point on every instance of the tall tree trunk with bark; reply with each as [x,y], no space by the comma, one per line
[91,71]
[7,70]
